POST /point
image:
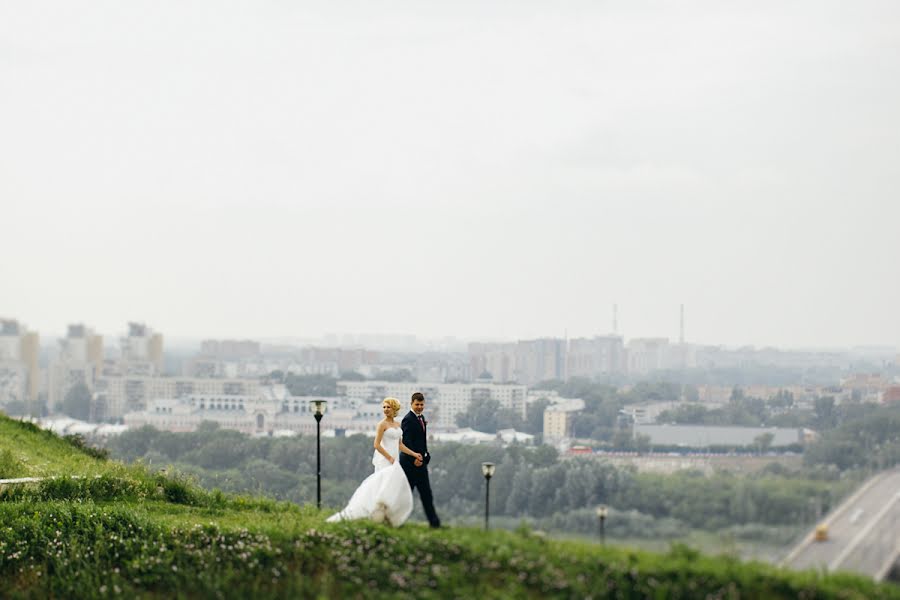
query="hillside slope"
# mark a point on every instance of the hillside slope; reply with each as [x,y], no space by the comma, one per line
[115,530]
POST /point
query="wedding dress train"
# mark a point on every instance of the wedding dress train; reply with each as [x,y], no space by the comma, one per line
[384,496]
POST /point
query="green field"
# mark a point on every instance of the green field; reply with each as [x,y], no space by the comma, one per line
[114,530]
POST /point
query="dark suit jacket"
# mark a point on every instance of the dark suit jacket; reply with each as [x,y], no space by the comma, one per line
[414,438]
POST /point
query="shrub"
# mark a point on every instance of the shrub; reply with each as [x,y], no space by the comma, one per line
[79,442]
[9,466]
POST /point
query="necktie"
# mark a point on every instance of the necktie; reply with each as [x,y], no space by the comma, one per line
[422,422]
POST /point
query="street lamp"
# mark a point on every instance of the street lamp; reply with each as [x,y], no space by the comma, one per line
[602,511]
[318,407]
[487,469]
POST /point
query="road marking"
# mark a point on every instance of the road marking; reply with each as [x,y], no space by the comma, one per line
[832,566]
[883,571]
[843,507]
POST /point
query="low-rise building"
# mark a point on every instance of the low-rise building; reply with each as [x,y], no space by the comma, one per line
[467,435]
[558,420]
[116,395]
[271,409]
[704,436]
[646,412]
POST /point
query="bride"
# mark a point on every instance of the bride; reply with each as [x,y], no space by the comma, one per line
[385,495]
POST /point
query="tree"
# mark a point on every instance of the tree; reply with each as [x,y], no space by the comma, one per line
[508,418]
[691,393]
[764,441]
[352,376]
[783,399]
[825,414]
[621,439]
[694,414]
[480,417]
[311,385]
[534,416]
[134,443]
[397,375]
[77,403]
[520,490]
[642,443]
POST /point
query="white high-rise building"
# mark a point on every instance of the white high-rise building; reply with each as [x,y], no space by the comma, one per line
[80,360]
[142,351]
[596,356]
[443,401]
[647,354]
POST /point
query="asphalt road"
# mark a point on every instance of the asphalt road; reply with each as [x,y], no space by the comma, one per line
[863,532]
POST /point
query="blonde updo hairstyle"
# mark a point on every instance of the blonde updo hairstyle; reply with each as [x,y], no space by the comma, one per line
[395,406]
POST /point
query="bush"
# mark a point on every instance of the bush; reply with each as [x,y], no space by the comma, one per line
[101,488]
[79,442]
[9,466]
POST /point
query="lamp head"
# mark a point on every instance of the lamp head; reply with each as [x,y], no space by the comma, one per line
[487,469]
[318,407]
[602,511]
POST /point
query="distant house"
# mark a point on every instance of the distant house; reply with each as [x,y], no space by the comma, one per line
[891,394]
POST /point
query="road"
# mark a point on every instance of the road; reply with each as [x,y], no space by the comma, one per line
[863,532]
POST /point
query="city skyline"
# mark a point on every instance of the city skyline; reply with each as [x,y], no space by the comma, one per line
[416,343]
[505,171]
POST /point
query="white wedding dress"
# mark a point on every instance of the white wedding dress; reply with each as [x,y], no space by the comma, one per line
[384,496]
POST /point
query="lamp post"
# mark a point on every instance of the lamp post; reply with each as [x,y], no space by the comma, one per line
[487,469]
[601,516]
[318,407]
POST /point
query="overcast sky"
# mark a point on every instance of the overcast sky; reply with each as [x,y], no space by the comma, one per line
[465,168]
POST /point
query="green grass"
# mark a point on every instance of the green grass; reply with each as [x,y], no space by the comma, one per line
[120,530]
[28,451]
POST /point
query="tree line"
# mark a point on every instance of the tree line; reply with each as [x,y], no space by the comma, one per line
[530,483]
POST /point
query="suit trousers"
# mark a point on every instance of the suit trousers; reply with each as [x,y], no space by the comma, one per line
[418,480]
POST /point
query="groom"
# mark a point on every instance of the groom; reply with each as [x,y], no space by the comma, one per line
[414,428]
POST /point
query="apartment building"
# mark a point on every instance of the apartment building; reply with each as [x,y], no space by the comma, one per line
[20,375]
[531,361]
[597,356]
[80,360]
[142,351]
[497,361]
[558,420]
[648,354]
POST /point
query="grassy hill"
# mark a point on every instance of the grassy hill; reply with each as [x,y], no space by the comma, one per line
[122,530]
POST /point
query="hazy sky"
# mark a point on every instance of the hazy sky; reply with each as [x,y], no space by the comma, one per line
[465,168]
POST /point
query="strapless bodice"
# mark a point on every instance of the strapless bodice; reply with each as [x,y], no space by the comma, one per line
[390,441]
